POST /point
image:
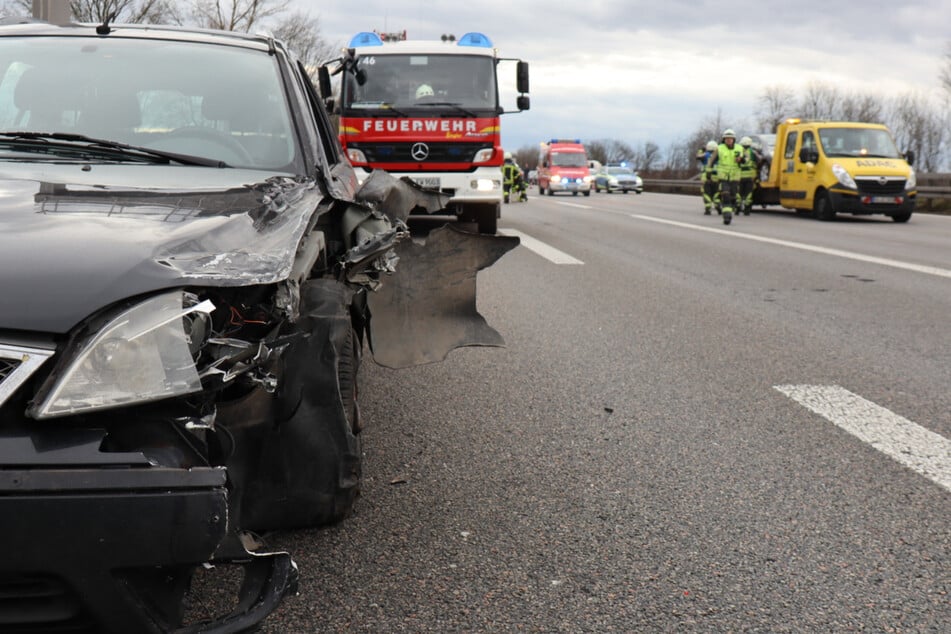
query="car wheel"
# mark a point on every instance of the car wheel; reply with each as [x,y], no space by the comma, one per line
[550,192]
[823,207]
[300,463]
[905,216]
[587,193]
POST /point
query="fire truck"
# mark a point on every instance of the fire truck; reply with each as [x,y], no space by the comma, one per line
[427,110]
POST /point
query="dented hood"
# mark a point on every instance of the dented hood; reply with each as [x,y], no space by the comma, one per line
[76,238]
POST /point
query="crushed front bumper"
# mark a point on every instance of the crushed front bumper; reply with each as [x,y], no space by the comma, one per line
[98,542]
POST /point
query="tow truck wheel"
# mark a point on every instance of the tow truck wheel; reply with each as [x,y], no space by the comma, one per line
[823,207]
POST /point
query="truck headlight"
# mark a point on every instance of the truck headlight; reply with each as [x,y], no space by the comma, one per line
[483,155]
[140,355]
[356,156]
[845,179]
[912,181]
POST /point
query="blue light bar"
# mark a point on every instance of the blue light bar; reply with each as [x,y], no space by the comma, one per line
[475,39]
[365,38]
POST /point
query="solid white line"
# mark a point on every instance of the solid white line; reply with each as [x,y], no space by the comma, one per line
[548,252]
[558,202]
[917,448]
[898,264]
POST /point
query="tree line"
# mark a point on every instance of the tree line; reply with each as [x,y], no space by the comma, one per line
[917,122]
[299,29]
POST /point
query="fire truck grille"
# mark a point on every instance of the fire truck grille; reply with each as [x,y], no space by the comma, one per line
[421,152]
[881,186]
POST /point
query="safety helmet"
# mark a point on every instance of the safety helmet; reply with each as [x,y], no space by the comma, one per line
[746,141]
[508,156]
[729,134]
[711,146]
[424,91]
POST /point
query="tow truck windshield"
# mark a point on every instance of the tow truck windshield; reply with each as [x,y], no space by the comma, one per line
[858,142]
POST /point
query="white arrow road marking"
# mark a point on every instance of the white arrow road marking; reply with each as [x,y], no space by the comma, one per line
[548,252]
[912,445]
[898,264]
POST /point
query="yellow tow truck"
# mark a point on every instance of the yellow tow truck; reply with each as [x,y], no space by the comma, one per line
[825,168]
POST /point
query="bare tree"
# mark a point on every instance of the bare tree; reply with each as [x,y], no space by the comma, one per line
[527,157]
[235,15]
[945,72]
[301,32]
[774,105]
[127,11]
[919,126]
[819,101]
[597,150]
[866,108]
[647,157]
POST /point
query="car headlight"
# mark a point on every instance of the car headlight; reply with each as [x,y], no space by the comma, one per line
[555,178]
[612,181]
[140,355]
[912,181]
[845,179]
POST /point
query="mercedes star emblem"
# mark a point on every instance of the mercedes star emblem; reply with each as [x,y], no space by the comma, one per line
[420,151]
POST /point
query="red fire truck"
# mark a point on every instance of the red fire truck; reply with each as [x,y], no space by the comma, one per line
[428,110]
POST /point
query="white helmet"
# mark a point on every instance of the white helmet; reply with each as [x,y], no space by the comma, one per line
[508,156]
[729,134]
[746,141]
[424,91]
[711,146]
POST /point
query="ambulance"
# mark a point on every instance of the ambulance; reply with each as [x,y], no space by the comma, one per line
[563,167]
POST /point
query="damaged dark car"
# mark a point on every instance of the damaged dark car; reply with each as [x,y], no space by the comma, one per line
[189,276]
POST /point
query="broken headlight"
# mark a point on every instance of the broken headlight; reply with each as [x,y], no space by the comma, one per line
[140,355]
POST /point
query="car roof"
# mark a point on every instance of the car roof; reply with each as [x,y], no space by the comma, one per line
[31,27]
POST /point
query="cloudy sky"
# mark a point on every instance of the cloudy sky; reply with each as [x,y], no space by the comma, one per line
[655,71]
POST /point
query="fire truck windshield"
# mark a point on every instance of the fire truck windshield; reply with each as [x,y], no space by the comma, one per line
[454,83]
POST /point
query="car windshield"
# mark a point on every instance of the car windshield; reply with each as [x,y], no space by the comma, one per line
[620,170]
[858,142]
[149,93]
[568,159]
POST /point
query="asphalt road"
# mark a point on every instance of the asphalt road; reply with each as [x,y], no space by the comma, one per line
[643,455]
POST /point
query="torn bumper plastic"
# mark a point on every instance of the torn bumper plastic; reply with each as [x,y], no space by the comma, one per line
[110,547]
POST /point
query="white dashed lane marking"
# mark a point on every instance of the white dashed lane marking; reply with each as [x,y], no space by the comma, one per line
[851,255]
[919,449]
[548,252]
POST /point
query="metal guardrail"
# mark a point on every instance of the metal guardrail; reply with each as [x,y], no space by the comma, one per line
[934,190]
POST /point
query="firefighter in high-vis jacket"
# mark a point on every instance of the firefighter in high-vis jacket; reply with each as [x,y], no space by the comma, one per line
[708,178]
[727,158]
[747,175]
[513,181]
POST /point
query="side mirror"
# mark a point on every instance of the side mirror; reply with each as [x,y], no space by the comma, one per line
[521,78]
[910,157]
[808,155]
[323,81]
[523,102]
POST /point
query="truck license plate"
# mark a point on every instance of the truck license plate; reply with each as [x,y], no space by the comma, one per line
[430,182]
